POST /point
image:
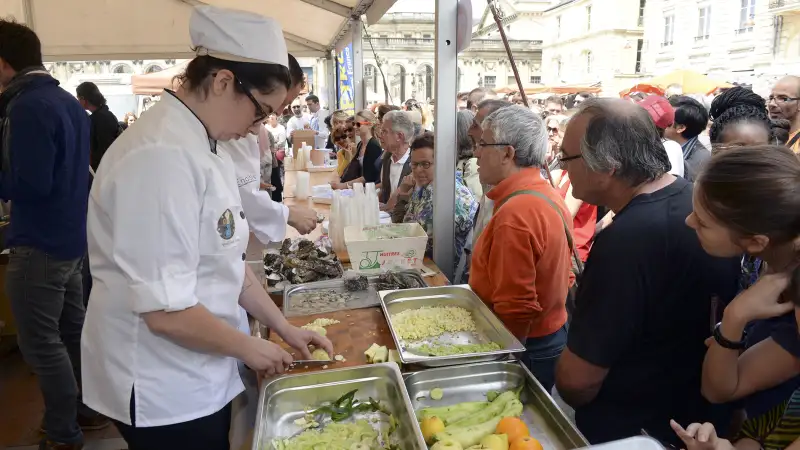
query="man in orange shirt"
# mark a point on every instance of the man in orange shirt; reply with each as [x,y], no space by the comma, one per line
[521,262]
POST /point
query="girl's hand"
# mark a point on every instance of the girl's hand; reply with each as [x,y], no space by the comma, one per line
[762,300]
[701,437]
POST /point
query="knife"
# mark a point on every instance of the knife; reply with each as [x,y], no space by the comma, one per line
[312,362]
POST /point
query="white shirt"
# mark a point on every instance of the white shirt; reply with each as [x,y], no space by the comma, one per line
[396,169]
[318,124]
[279,133]
[166,232]
[675,155]
[267,218]
[297,123]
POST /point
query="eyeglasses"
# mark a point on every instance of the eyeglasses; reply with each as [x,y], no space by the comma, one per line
[423,164]
[552,130]
[564,159]
[497,144]
[261,114]
[781,99]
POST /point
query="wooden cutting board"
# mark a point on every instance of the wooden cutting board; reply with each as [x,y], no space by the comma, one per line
[356,331]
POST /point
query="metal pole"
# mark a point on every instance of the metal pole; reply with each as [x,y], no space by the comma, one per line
[358,63]
[499,23]
[444,196]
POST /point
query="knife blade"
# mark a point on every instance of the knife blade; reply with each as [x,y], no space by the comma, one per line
[311,362]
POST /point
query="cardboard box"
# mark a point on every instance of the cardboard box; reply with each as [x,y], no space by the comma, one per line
[301,136]
[372,250]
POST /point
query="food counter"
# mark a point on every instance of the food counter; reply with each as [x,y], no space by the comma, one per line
[488,392]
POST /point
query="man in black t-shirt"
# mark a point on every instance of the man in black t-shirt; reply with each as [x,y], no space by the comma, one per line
[644,304]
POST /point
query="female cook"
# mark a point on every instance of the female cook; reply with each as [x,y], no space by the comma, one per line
[167,240]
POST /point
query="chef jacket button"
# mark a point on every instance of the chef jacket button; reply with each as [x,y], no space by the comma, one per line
[244,256]
[241,214]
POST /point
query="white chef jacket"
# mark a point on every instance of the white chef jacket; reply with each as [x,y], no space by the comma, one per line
[166,232]
[267,218]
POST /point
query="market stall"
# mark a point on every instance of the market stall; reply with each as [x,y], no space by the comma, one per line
[391,372]
[691,82]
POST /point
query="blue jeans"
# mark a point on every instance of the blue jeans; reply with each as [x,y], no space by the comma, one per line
[47,301]
[541,355]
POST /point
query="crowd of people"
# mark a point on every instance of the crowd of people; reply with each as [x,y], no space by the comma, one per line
[644,250]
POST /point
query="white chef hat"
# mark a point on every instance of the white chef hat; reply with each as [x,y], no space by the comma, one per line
[235,35]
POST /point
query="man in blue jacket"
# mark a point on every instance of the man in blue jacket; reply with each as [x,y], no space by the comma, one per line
[44,170]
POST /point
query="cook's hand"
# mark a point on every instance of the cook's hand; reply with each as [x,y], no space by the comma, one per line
[262,355]
[761,300]
[700,437]
[299,339]
[303,219]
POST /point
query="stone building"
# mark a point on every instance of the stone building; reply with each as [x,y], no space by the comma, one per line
[400,49]
[594,42]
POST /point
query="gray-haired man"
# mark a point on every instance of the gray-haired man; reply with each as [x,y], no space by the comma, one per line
[635,349]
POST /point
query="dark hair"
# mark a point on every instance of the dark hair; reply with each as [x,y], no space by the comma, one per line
[424,140]
[295,71]
[734,106]
[20,48]
[383,109]
[462,96]
[91,93]
[621,137]
[754,190]
[554,99]
[265,78]
[691,114]
[312,98]
[327,121]
[339,134]
[780,130]
[584,94]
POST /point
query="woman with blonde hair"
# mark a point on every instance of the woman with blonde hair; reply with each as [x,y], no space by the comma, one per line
[364,166]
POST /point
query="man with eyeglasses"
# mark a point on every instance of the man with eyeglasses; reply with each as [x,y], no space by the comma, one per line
[784,103]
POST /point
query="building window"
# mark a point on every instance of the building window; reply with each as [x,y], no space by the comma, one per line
[747,16]
[639,46]
[536,79]
[704,23]
[669,30]
[640,22]
[122,68]
[153,69]
[407,35]
[371,78]
[490,81]
[589,18]
[427,36]
[558,27]
[558,68]
[589,62]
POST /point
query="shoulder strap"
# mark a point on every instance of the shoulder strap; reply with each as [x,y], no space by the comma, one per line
[574,253]
[793,140]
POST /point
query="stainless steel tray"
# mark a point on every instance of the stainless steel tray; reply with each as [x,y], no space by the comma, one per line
[362,299]
[490,328]
[544,418]
[285,399]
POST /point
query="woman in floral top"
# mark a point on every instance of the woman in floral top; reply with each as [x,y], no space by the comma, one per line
[415,200]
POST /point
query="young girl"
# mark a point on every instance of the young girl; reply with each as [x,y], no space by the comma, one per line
[747,200]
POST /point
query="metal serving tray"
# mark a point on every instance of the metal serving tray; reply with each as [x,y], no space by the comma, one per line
[489,327]
[285,399]
[544,418]
[360,299]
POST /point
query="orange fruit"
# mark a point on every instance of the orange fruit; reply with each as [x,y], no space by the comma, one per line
[525,443]
[513,427]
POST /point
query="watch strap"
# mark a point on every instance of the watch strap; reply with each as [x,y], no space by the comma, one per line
[726,343]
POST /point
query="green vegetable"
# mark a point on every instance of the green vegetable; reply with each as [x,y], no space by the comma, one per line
[370,352]
[346,436]
[457,349]
[320,355]
[437,394]
[472,434]
[491,395]
[381,355]
[346,406]
[453,413]
[495,408]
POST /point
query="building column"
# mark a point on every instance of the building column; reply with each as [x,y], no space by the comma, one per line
[444,195]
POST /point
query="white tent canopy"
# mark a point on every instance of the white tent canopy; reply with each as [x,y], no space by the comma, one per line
[78,30]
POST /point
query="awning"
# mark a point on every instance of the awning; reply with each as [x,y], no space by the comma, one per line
[154,83]
[159,29]
[691,83]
